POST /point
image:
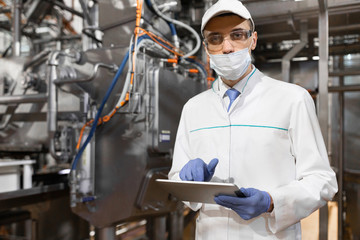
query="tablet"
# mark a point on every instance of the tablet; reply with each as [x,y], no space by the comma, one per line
[202,192]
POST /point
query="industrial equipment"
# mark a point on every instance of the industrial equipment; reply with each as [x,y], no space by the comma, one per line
[99,116]
[91,93]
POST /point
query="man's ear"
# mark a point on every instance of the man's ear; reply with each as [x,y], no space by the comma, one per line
[254,39]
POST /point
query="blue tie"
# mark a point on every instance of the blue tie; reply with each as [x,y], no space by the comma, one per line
[233,94]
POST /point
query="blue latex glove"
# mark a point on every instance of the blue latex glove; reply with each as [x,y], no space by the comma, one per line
[252,205]
[198,170]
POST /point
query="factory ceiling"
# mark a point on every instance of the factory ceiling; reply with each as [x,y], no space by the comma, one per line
[278,25]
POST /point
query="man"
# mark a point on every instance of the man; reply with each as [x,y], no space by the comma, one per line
[259,133]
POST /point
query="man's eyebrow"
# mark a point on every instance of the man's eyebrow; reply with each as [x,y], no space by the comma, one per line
[213,33]
[239,28]
[232,30]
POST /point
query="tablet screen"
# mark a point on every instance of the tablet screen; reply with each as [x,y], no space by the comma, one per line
[192,191]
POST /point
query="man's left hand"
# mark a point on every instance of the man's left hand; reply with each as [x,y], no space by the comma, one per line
[252,205]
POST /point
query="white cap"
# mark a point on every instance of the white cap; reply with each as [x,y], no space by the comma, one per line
[226,6]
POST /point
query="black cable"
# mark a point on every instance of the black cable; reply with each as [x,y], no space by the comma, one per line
[7,50]
[92,36]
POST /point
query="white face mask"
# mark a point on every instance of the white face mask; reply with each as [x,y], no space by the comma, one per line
[231,66]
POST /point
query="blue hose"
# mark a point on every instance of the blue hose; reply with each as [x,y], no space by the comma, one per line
[149,4]
[98,114]
[172,29]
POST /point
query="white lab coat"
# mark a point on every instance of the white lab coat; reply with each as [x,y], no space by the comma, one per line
[269,140]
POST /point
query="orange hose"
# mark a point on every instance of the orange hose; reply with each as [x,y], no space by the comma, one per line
[155,37]
[193,70]
[68,26]
[80,137]
[172,60]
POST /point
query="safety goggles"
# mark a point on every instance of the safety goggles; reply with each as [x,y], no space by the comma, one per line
[214,41]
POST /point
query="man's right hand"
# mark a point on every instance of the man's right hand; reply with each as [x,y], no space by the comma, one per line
[198,170]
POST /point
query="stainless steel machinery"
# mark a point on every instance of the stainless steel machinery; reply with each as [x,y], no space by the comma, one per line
[101,107]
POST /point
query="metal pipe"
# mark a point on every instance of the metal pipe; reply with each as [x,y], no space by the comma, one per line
[16,28]
[59,19]
[345,88]
[41,116]
[354,172]
[27,174]
[6,119]
[156,228]
[91,21]
[55,39]
[311,31]
[37,59]
[86,13]
[112,67]
[323,96]
[176,223]
[285,62]
[341,163]
[323,67]
[52,102]
[106,233]
[31,98]
[308,13]
[344,73]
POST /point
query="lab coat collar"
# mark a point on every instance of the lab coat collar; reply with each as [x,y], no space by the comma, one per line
[220,87]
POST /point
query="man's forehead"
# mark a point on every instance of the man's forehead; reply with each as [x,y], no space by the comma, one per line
[226,23]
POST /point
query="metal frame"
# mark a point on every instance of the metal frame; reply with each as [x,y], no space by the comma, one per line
[341,90]
[16,25]
[341,163]
[31,98]
[323,98]
[285,62]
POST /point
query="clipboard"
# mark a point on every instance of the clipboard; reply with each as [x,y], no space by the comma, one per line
[201,192]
